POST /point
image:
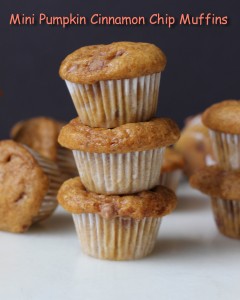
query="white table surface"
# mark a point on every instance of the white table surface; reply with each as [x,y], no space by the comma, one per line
[191,261]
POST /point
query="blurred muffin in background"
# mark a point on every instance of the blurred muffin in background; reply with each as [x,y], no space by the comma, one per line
[223,123]
[222,186]
[41,134]
[173,164]
[195,145]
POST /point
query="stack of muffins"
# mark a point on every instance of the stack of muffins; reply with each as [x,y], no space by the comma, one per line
[118,147]
[222,181]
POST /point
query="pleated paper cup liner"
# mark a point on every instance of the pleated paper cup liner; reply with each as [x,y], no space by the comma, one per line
[227,216]
[49,202]
[119,173]
[226,149]
[171,179]
[118,238]
[66,163]
[112,103]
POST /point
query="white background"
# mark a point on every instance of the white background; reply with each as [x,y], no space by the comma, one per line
[191,261]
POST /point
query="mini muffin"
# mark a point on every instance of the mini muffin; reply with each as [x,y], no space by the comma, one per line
[172,166]
[116,227]
[223,122]
[41,134]
[195,145]
[114,84]
[123,160]
[223,188]
[28,187]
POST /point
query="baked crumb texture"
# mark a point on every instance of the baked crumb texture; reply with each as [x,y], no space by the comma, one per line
[23,186]
[118,60]
[157,133]
[223,117]
[155,203]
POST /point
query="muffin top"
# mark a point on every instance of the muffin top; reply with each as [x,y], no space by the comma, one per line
[217,182]
[129,137]
[23,186]
[172,160]
[76,199]
[223,117]
[40,134]
[118,60]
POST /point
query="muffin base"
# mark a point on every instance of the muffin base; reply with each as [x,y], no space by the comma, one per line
[49,202]
[112,103]
[226,148]
[119,173]
[227,216]
[117,238]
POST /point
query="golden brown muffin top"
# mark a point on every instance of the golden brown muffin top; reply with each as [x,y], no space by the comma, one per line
[217,182]
[23,186]
[125,138]
[223,117]
[156,203]
[40,134]
[118,60]
[172,160]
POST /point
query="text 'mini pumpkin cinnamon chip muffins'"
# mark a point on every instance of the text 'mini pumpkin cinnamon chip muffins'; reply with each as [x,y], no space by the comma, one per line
[114,84]
[123,160]
[222,120]
[223,188]
[28,187]
[116,227]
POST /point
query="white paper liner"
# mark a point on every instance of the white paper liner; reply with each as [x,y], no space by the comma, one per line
[117,238]
[112,103]
[227,216]
[171,179]
[119,173]
[66,163]
[49,202]
[226,148]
